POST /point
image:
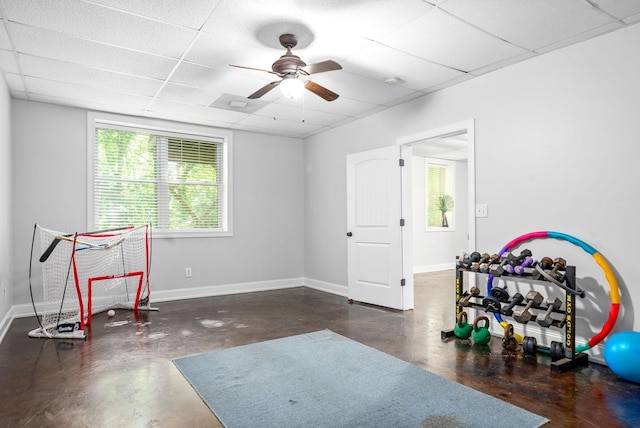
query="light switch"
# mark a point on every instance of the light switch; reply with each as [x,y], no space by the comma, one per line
[482,210]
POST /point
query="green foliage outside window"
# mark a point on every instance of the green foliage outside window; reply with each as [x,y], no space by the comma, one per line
[169,182]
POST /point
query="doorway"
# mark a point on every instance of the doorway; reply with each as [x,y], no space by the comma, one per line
[427,248]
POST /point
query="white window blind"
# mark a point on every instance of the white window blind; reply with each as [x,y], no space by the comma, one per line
[174,181]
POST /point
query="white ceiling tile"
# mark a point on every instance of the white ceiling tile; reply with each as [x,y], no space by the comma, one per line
[502,64]
[5,43]
[380,62]
[219,52]
[361,88]
[94,53]
[8,62]
[171,11]
[104,25]
[621,9]
[632,19]
[79,74]
[342,106]
[202,112]
[49,44]
[615,25]
[14,82]
[530,24]
[293,126]
[78,92]
[443,39]
[188,94]
[298,113]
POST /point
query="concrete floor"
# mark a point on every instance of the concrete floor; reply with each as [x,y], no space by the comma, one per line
[122,375]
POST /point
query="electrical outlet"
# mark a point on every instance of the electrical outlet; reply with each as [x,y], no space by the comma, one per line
[187,273]
[482,210]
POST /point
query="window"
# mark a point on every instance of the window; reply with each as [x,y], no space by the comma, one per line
[175,179]
[440,194]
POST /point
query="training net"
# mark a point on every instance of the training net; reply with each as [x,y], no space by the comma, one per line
[88,273]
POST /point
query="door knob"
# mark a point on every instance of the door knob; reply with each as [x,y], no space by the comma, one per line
[349,234]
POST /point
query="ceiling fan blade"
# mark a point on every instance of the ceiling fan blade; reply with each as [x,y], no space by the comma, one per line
[251,68]
[266,88]
[321,91]
[321,67]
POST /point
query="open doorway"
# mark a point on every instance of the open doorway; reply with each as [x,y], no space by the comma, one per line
[427,246]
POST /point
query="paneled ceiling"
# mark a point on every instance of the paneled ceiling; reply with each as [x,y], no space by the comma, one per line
[171,59]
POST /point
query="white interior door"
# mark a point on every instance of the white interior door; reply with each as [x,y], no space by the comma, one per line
[374,249]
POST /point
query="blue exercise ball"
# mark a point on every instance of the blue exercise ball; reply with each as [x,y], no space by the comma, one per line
[621,352]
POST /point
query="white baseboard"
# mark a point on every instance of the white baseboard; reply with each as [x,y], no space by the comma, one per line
[434,268]
[26,310]
[328,287]
[6,323]
[221,290]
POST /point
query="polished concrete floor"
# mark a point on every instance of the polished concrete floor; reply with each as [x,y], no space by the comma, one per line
[122,375]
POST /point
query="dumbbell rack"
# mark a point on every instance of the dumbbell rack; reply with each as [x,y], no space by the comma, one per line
[571,359]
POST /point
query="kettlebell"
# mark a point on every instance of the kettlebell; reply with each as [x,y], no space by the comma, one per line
[481,335]
[509,342]
[462,329]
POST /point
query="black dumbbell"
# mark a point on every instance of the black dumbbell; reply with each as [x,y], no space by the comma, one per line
[499,269]
[546,320]
[491,304]
[530,347]
[508,310]
[524,315]
[501,294]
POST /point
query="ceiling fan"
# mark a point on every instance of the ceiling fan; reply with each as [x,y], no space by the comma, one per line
[293,71]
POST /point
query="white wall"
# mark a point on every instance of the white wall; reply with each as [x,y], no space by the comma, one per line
[5,201]
[49,172]
[432,250]
[557,149]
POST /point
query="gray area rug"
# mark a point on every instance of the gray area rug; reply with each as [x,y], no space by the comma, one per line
[322,379]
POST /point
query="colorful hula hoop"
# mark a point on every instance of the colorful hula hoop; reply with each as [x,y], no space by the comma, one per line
[611,278]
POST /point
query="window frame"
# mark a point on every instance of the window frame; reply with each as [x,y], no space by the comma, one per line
[176,129]
[450,175]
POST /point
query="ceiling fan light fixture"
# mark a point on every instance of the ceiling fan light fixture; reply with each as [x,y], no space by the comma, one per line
[291,87]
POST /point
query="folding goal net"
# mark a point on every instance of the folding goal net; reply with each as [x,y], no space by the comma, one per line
[87,273]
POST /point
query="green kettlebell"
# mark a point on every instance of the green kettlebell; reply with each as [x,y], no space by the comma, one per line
[481,335]
[462,329]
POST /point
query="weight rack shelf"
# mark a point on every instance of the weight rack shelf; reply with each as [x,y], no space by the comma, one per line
[571,359]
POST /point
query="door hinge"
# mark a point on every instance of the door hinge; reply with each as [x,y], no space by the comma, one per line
[401,162]
[401,222]
[403,282]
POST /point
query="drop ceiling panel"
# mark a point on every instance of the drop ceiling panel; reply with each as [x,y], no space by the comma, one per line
[64,90]
[217,81]
[530,24]
[289,126]
[79,74]
[50,44]
[100,24]
[621,9]
[170,59]
[361,88]
[14,81]
[300,113]
[342,106]
[169,11]
[218,52]
[4,37]
[8,62]
[449,41]
[187,94]
[200,112]
[417,73]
